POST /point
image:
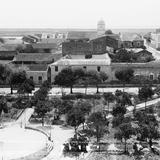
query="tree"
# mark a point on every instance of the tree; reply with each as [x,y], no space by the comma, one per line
[26,87]
[97,124]
[75,117]
[144,93]
[122,56]
[119,110]
[65,106]
[65,78]
[3,105]
[149,131]
[148,126]
[40,94]
[2,40]
[93,78]
[103,76]
[85,107]
[4,73]
[124,99]
[124,75]
[16,78]
[41,108]
[125,131]
[46,84]
[109,32]
[109,97]
[12,76]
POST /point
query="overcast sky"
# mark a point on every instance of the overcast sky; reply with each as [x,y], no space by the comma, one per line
[79,13]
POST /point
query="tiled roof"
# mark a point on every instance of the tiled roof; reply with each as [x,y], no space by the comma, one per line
[95,60]
[44,46]
[8,47]
[52,40]
[113,36]
[37,57]
[152,64]
[130,37]
[100,56]
[37,67]
[81,34]
[144,51]
[80,62]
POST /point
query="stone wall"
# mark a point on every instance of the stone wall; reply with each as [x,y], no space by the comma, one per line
[76,47]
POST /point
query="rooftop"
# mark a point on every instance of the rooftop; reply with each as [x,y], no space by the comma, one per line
[8,47]
[152,64]
[37,57]
[130,37]
[44,45]
[81,34]
[94,61]
[100,56]
[37,67]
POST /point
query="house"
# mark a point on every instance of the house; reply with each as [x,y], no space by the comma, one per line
[130,40]
[45,47]
[31,39]
[81,35]
[7,52]
[38,73]
[89,43]
[12,39]
[107,42]
[151,70]
[155,39]
[76,47]
[7,55]
[36,64]
[36,58]
[97,63]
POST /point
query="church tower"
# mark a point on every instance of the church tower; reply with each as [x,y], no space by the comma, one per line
[101,28]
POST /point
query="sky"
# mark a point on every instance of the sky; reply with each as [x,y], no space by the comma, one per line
[79,13]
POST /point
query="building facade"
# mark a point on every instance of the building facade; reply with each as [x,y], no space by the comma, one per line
[97,64]
[155,39]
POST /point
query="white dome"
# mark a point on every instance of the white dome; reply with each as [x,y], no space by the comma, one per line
[101,22]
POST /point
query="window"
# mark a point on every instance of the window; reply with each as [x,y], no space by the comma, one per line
[40,79]
[151,76]
[56,68]
[31,77]
[98,68]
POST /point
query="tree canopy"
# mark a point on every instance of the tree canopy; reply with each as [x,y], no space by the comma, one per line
[97,124]
[145,92]
[65,78]
[125,75]
[125,131]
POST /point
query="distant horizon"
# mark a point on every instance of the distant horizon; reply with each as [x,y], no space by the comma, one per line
[79,14]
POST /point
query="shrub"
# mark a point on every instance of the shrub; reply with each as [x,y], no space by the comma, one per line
[69,97]
[81,96]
